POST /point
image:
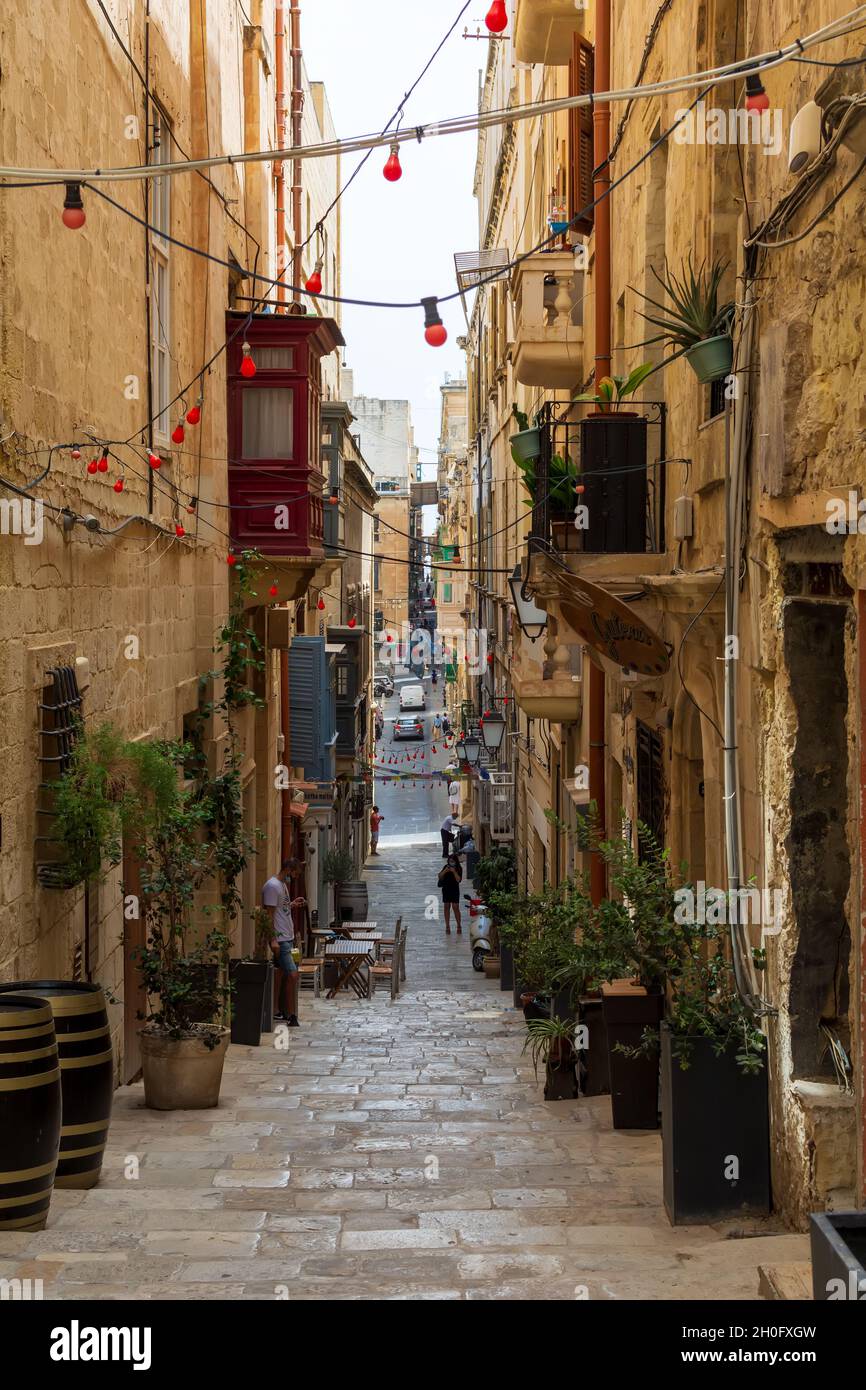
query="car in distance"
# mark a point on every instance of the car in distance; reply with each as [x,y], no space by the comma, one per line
[408,726]
[412,697]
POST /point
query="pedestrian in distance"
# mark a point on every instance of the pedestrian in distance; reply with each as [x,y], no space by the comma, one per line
[376,819]
[454,797]
[446,830]
[450,878]
[437,724]
[278,904]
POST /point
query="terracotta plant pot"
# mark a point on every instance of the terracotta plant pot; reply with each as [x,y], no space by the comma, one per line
[182,1073]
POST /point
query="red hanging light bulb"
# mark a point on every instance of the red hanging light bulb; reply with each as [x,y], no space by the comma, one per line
[273,591]
[179,531]
[76,454]
[193,415]
[177,432]
[353,622]
[434,329]
[154,460]
[321,604]
[496,18]
[92,466]
[102,465]
[393,169]
[73,214]
[231,560]
[118,486]
[192,504]
[314,284]
[248,366]
[756,97]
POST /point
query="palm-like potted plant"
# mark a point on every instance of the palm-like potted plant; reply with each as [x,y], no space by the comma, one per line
[695,321]
[551,1041]
[338,867]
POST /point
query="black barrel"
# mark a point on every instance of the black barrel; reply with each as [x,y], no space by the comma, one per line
[30,1111]
[87,1072]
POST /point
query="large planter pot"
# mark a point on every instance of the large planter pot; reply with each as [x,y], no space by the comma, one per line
[560,1078]
[594,1063]
[712,358]
[613,452]
[535,1005]
[30,1111]
[204,978]
[838,1242]
[352,902]
[268,1006]
[250,979]
[526,445]
[86,1072]
[634,1081]
[182,1073]
[506,966]
[715,1135]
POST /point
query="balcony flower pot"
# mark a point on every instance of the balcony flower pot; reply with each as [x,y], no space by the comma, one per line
[711,358]
[715,1134]
[183,1073]
[250,979]
[526,445]
[629,1010]
[838,1241]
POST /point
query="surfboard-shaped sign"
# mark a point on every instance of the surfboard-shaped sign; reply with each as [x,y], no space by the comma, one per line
[610,627]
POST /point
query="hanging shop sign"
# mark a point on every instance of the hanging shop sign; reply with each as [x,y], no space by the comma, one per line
[610,627]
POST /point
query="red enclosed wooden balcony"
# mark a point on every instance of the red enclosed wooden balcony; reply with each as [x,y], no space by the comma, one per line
[274,433]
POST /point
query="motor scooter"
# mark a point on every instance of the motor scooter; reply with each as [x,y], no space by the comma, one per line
[480,930]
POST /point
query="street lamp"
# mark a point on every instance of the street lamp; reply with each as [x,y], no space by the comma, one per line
[472,749]
[493,730]
[532,620]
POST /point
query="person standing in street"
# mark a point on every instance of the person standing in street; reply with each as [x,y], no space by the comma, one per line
[450,878]
[376,819]
[278,904]
[446,830]
[454,797]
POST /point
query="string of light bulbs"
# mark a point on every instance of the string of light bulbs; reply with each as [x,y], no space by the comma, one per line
[457,125]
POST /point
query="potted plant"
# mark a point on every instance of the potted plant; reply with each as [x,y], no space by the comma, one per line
[551,1041]
[338,866]
[526,443]
[613,453]
[714,1094]
[695,323]
[494,880]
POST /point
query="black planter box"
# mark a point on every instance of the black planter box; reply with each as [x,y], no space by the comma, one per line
[634,1081]
[250,979]
[560,1079]
[268,1001]
[594,1063]
[713,1116]
[613,458]
[838,1256]
[506,966]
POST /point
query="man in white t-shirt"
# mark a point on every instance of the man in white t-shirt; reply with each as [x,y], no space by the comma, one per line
[454,797]
[277,902]
[447,829]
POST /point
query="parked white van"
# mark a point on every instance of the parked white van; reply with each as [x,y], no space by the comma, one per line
[412,697]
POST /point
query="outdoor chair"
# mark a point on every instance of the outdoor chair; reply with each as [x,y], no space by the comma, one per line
[390,969]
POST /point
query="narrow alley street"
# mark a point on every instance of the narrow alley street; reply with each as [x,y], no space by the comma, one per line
[395,1150]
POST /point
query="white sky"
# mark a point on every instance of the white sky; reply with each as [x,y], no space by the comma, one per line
[399,239]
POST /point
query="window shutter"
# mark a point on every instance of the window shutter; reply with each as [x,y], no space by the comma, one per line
[580,137]
[305,676]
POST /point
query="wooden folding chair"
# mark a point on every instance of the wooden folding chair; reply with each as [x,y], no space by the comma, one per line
[310,974]
[390,969]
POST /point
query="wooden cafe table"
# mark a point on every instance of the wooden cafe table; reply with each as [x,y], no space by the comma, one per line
[349,954]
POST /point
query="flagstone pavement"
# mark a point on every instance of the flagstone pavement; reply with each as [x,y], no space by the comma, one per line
[392,1150]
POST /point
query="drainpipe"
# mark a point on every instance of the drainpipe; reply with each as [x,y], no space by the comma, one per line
[297,116]
[279,178]
[601,286]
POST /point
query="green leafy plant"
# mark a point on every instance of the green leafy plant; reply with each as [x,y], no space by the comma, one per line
[521,418]
[550,1041]
[693,311]
[561,479]
[338,866]
[612,391]
[495,872]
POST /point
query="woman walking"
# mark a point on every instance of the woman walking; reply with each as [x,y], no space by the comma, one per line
[450,878]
